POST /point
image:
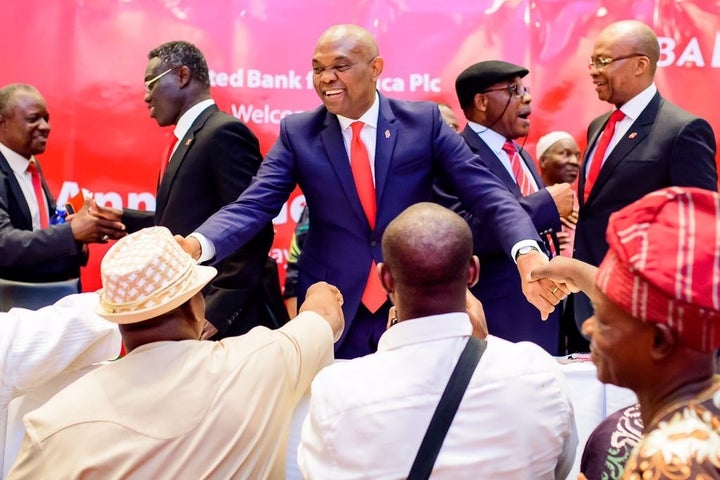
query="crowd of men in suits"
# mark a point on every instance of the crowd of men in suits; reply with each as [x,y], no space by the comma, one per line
[367,165]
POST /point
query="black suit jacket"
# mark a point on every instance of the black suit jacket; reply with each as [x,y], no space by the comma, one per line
[47,255]
[509,314]
[666,146]
[212,165]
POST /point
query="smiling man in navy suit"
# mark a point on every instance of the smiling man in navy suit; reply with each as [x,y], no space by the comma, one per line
[407,145]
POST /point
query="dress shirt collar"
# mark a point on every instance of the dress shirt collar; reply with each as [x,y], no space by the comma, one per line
[187,119]
[491,138]
[425,329]
[634,107]
[17,162]
[369,118]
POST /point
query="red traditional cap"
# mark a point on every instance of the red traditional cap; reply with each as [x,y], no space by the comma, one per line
[663,264]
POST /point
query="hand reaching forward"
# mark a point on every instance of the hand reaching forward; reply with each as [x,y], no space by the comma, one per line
[326,300]
[542,292]
[87,228]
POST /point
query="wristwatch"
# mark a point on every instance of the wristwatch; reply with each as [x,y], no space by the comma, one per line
[525,250]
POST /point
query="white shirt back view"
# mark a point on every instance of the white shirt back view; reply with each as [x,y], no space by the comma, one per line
[368,415]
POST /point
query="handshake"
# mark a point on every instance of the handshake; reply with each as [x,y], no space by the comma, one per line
[94,224]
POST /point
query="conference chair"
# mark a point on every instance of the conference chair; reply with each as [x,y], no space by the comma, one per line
[34,295]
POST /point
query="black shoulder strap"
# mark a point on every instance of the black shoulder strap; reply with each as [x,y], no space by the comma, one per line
[446,408]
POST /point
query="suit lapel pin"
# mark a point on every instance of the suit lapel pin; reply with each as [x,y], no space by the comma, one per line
[387,133]
[188,142]
[632,135]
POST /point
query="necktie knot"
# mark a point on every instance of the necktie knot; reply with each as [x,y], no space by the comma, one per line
[616,116]
[32,168]
[356,128]
[509,148]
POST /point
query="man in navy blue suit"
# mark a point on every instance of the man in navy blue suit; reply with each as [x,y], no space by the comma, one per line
[408,145]
[497,105]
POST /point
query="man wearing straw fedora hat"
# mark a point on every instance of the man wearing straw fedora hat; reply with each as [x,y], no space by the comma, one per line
[174,406]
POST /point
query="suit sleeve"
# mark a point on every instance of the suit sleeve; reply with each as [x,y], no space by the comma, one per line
[235,224]
[496,210]
[27,247]
[693,157]
[135,220]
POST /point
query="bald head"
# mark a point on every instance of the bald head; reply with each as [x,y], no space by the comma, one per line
[362,40]
[428,246]
[346,66]
[636,37]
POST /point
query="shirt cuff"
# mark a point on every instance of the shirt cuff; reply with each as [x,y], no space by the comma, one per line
[207,249]
[519,245]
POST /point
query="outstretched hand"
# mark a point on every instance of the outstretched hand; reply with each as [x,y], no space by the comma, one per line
[573,273]
[542,292]
[326,300]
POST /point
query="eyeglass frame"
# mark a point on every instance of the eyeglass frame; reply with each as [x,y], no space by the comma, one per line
[149,83]
[512,88]
[604,62]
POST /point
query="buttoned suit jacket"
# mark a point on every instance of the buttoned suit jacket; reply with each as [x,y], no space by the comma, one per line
[211,166]
[509,315]
[46,255]
[666,146]
[413,147]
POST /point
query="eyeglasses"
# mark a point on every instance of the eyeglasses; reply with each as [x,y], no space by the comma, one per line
[512,88]
[149,84]
[599,64]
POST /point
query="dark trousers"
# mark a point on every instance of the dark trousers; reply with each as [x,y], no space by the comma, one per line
[364,333]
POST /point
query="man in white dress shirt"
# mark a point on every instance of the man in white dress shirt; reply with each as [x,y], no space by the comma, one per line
[368,415]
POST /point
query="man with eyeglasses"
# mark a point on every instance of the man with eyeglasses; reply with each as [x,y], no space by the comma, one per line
[497,106]
[211,160]
[646,143]
[361,159]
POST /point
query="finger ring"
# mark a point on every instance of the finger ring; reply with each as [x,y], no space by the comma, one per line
[105,238]
[553,290]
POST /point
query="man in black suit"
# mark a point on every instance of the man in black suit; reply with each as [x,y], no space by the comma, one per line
[655,144]
[211,162]
[32,250]
[497,105]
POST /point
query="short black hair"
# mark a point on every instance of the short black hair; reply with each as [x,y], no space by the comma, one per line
[179,53]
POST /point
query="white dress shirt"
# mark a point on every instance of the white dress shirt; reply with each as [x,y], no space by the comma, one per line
[368,415]
[19,165]
[37,346]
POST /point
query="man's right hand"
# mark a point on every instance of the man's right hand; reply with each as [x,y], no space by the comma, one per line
[190,245]
[564,198]
[87,228]
[108,213]
[326,300]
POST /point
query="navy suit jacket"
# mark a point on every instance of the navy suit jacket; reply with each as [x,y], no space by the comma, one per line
[509,315]
[666,146]
[212,165]
[47,255]
[414,146]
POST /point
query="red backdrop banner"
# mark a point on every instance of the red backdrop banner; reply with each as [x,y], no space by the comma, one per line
[88,58]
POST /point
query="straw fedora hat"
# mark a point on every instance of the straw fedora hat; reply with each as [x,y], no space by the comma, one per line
[146,274]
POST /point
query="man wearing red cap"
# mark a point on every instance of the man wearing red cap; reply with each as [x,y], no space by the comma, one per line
[657,325]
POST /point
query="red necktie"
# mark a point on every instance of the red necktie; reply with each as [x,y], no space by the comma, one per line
[524,184]
[600,150]
[39,197]
[167,154]
[374,295]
